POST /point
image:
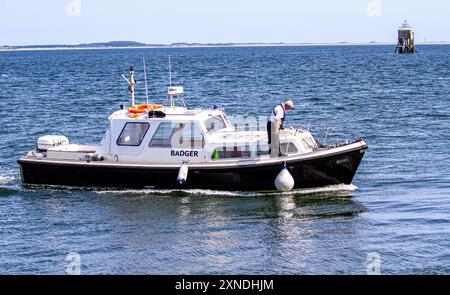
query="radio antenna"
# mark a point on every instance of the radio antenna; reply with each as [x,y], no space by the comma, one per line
[170,72]
[125,78]
[146,87]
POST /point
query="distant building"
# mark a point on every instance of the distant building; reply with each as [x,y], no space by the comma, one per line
[405,39]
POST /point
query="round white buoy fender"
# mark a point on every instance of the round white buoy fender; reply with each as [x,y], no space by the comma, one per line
[183,173]
[284,181]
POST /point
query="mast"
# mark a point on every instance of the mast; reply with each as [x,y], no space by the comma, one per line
[174,91]
[146,87]
[132,85]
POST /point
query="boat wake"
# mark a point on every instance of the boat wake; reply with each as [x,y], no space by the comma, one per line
[341,189]
[6,179]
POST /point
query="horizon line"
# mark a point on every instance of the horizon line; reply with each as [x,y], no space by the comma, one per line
[137,45]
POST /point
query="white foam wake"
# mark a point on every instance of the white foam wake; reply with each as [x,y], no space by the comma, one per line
[204,192]
[6,179]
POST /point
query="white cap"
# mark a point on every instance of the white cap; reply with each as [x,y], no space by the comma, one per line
[289,103]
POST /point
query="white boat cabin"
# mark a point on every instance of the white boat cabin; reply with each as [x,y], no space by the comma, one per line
[177,135]
[152,134]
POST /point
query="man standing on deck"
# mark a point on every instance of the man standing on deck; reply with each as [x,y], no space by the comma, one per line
[275,124]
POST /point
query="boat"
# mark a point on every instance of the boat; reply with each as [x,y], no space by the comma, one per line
[169,146]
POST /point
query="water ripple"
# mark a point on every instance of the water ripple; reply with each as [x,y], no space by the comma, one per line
[398,206]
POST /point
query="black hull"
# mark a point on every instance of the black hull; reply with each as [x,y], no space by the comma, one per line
[315,172]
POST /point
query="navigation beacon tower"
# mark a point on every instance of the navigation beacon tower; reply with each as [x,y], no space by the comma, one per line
[405,39]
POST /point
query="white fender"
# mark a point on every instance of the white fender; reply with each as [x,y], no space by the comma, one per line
[284,181]
[183,173]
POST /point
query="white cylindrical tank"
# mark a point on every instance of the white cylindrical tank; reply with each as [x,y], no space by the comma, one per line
[284,181]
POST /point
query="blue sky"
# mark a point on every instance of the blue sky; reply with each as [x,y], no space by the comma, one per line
[154,21]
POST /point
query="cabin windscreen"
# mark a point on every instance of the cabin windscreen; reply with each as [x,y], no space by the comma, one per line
[132,134]
[215,123]
[178,135]
[292,148]
[308,143]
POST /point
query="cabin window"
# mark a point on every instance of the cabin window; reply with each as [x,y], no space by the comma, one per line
[230,152]
[262,148]
[178,135]
[308,143]
[132,134]
[215,123]
[292,148]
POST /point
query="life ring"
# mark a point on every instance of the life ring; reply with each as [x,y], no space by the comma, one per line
[142,108]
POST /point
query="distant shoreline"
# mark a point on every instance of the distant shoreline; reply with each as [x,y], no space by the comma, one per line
[196,45]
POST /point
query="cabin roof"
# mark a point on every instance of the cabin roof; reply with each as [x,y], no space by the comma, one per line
[178,113]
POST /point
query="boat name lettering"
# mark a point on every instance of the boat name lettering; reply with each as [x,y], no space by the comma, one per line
[184,153]
[342,161]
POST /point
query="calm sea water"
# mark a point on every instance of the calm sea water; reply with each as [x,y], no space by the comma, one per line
[398,207]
